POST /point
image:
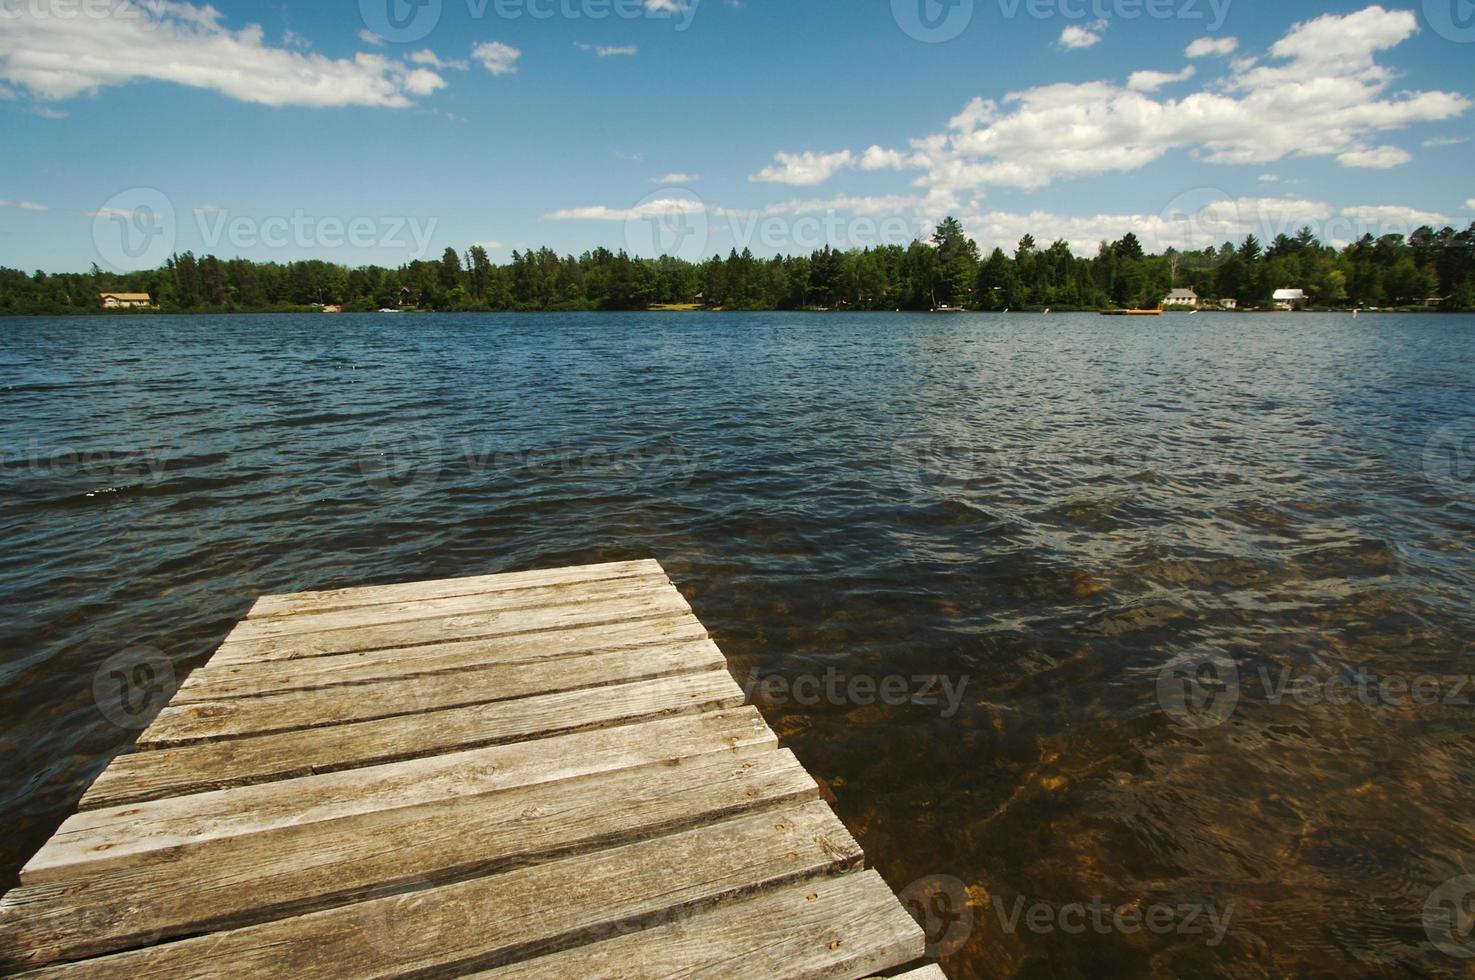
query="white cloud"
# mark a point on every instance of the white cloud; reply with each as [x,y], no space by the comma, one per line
[208,209]
[675,178]
[369,37]
[1206,46]
[609,51]
[1216,221]
[1319,94]
[1267,178]
[1438,141]
[905,206]
[1075,37]
[1470,204]
[32,206]
[804,169]
[661,207]
[1151,81]
[664,6]
[1392,215]
[1374,158]
[57,57]
[428,57]
[1210,220]
[496,57]
[880,158]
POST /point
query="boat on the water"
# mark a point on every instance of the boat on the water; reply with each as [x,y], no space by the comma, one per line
[1156,312]
[944,308]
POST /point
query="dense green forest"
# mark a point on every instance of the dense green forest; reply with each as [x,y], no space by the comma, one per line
[1391,271]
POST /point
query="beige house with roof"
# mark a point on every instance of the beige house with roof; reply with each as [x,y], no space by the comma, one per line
[119,301]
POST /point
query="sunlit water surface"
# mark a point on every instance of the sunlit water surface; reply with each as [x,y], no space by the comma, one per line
[1046,510]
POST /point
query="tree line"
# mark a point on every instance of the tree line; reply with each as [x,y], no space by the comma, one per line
[1387,271]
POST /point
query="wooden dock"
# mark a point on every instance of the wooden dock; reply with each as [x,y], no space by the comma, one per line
[540,774]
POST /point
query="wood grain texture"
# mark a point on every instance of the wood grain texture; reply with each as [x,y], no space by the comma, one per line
[287,755]
[229,680]
[840,927]
[649,605]
[533,774]
[95,840]
[497,919]
[280,711]
[479,602]
[322,601]
[226,884]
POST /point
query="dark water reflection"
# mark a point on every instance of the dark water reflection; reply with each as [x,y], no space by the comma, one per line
[1049,510]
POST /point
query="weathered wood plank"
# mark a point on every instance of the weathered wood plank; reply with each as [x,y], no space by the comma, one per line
[664,602]
[837,927]
[489,921]
[259,759]
[182,724]
[320,601]
[227,884]
[480,602]
[96,840]
[215,681]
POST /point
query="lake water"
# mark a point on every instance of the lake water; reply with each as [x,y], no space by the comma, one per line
[1146,559]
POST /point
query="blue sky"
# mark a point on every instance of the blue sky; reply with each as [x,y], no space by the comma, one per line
[294,131]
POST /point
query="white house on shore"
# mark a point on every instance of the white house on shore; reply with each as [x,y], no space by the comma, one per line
[118,301]
[1289,299]
[1228,303]
[1181,297]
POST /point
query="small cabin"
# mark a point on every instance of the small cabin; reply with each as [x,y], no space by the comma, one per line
[1289,299]
[123,301]
[1181,297]
[1228,303]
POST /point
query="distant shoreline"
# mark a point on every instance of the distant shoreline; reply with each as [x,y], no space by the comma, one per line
[310,311]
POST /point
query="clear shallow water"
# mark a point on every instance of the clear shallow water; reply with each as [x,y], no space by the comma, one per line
[1048,511]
